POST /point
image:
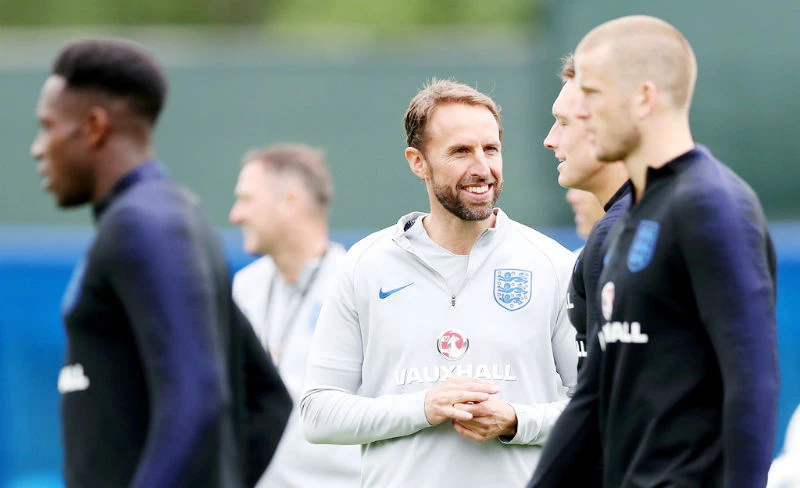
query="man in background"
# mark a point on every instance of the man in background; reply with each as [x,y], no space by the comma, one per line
[599,189]
[680,387]
[164,384]
[586,210]
[283,199]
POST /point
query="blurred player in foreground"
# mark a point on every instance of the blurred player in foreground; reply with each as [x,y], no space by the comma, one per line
[680,385]
[446,347]
[591,183]
[283,199]
[165,384]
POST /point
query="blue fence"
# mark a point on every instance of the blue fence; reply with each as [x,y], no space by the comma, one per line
[35,265]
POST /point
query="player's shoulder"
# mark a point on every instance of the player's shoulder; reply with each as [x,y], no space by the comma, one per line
[370,247]
[708,180]
[152,205]
[540,243]
[258,272]
[714,195]
[252,279]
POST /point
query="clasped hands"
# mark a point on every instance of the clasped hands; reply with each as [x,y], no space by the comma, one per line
[471,405]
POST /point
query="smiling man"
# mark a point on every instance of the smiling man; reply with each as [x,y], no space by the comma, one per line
[605,182]
[283,197]
[445,346]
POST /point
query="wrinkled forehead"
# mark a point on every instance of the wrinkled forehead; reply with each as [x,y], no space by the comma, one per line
[453,120]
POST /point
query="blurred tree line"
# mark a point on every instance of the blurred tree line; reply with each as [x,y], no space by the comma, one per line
[380,14]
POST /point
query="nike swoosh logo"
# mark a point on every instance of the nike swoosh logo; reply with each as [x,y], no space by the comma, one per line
[383,294]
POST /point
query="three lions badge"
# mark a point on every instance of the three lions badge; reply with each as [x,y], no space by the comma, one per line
[512,288]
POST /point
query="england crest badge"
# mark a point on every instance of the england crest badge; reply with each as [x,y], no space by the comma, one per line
[643,245]
[512,288]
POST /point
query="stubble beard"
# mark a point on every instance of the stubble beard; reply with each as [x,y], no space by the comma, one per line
[453,203]
[621,143]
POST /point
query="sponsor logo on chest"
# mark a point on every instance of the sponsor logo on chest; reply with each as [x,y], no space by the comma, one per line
[453,344]
[611,332]
[436,374]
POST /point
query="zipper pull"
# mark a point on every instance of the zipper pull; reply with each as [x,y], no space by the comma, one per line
[453,300]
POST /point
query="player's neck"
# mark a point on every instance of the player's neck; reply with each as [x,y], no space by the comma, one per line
[452,233]
[660,145]
[119,158]
[307,244]
[613,177]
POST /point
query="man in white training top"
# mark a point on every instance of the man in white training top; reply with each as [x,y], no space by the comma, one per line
[282,200]
[444,346]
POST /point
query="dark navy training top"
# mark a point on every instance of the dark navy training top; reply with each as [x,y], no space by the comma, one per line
[680,385]
[585,314]
[154,387]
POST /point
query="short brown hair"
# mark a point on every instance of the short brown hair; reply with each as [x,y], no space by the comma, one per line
[647,48]
[435,93]
[299,160]
[567,68]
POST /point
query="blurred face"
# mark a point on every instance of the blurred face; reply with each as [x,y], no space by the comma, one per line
[605,106]
[463,160]
[60,145]
[568,140]
[587,210]
[257,209]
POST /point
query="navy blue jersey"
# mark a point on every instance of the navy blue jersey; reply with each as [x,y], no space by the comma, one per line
[160,386]
[680,384]
[585,313]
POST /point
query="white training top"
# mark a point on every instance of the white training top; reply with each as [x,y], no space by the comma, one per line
[785,469]
[285,326]
[392,328]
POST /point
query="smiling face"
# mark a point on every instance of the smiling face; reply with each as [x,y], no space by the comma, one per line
[60,145]
[605,106]
[568,139]
[461,162]
[258,209]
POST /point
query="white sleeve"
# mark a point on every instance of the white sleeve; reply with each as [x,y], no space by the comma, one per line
[536,421]
[330,411]
[237,289]
[563,343]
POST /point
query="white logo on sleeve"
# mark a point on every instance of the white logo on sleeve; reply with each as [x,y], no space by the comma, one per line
[607,299]
[452,344]
[72,378]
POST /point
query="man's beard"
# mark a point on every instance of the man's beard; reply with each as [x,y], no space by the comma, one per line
[452,202]
[623,141]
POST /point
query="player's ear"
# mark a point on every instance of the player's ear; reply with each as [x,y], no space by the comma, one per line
[96,126]
[647,99]
[417,163]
